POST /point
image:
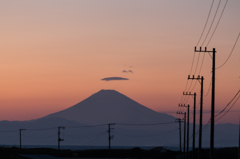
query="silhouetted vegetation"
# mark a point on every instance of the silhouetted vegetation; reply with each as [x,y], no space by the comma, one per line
[134,153]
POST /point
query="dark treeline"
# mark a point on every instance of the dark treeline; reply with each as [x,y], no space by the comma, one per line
[134,153]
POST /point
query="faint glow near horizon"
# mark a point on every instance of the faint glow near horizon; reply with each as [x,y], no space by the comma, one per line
[55,53]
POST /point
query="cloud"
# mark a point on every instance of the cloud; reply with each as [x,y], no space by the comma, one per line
[130,71]
[125,71]
[113,78]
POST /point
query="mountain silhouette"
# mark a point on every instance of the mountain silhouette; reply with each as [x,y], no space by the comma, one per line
[110,106]
[136,125]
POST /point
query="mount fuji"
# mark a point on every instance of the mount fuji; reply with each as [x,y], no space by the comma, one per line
[110,106]
[86,124]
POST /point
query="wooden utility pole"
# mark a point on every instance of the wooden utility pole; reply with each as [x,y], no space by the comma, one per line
[20,135]
[194,120]
[184,136]
[110,138]
[201,110]
[180,140]
[187,126]
[212,101]
[239,138]
[59,138]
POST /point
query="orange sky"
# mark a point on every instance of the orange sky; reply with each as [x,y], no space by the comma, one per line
[55,53]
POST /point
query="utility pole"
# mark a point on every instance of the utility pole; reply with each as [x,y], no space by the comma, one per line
[59,138]
[213,100]
[110,138]
[194,121]
[184,136]
[180,143]
[201,110]
[239,138]
[180,105]
[20,135]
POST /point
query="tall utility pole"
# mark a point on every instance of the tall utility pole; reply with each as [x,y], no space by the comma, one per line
[187,126]
[184,136]
[110,138]
[201,110]
[180,143]
[194,121]
[20,135]
[59,137]
[239,138]
[213,100]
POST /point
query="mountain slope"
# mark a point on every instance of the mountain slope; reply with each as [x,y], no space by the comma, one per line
[109,106]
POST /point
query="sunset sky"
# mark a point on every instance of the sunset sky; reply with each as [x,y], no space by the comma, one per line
[54,53]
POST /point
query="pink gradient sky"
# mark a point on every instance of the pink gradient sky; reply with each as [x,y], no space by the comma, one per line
[55,53]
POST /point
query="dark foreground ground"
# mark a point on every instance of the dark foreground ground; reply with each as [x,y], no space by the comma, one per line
[135,153]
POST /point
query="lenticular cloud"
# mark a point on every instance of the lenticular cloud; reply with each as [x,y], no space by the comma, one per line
[114,78]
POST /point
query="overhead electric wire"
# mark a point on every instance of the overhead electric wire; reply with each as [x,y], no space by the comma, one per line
[228,104]
[212,22]
[86,126]
[205,23]
[186,100]
[187,80]
[208,123]
[228,109]
[9,131]
[146,135]
[208,89]
[198,73]
[197,63]
[8,136]
[81,137]
[188,90]
[217,22]
[145,124]
[95,139]
[230,52]
[39,137]
[42,129]
[204,127]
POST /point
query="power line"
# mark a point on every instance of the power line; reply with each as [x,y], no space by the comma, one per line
[9,136]
[81,137]
[217,22]
[9,131]
[198,72]
[230,52]
[212,22]
[228,104]
[146,135]
[205,23]
[228,109]
[95,139]
[187,80]
[39,137]
[208,89]
[145,124]
[86,126]
[208,123]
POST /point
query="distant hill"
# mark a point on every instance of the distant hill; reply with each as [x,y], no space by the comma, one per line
[110,106]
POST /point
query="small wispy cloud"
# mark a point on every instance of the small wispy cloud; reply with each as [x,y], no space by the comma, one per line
[127,71]
[114,78]
[130,71]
